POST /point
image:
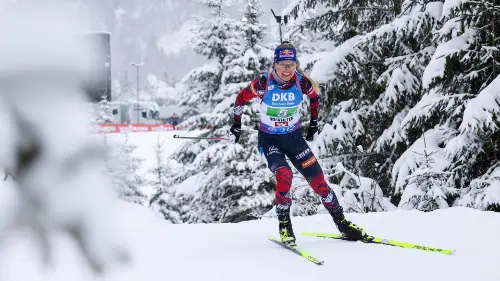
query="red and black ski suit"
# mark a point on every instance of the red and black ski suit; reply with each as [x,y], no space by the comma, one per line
[275,147]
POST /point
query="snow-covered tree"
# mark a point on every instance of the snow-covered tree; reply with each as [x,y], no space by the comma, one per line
[340,20]
[463,66]
[427,188]
[165,200]
[240,187]
[233,183]
[123,167]
[214,38]
[103,118]
[198,85]
[305,201]
[356,194]
[104,112]
[255,58]
[481,121]
[360,194]
[371,80]
[484,192]
[410,67]
[345,82]
[396,54]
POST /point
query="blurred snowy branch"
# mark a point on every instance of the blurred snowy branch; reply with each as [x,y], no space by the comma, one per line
[44,141]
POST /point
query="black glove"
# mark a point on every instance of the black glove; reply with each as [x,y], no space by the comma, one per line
[313,128]
[236,131]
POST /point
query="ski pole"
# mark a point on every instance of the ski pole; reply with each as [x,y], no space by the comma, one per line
[355,155]
[200,138]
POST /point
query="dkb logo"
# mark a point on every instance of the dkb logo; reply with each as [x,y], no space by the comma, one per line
[284,97]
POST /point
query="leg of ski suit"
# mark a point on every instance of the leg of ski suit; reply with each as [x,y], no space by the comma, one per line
[294,146]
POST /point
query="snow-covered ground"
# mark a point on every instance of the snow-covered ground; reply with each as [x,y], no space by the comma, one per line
[240,251]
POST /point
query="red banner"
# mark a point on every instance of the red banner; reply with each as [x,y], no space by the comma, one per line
[118,128]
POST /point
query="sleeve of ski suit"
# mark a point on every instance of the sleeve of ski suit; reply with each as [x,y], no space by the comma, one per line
[253,90]
[308,89]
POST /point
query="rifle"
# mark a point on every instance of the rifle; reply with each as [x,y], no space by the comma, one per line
[278,20]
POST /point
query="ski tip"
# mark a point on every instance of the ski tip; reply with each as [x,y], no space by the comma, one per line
[176,136]
[315,260]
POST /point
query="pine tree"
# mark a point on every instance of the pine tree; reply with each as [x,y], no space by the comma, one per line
[371,81]
[346,83]
[214,39]
[104,113]
[305,201]
[481,121]
[198,85]
[340,20]
[103,118]
[232,181]
[397,55]
[242,189]
[389,81]
[427,188]
[338,72]
[165,201]
[464,64]
[123,167]
[360,194]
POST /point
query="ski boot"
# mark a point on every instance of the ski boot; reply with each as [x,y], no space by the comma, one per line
[349,230]
[285,229]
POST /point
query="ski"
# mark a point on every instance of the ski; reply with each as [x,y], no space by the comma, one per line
[383,242]
[296,249]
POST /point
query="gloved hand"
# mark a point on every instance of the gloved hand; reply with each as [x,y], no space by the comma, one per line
[236,131]
[313,128]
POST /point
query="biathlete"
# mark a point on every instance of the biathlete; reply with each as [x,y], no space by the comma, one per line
[281,93]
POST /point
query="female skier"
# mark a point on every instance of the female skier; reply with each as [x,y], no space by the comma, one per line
[281,92]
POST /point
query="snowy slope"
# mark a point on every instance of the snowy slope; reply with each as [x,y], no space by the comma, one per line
[242,252]
[163,251]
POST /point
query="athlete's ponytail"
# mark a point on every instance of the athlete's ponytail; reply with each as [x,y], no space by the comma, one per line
[315,85]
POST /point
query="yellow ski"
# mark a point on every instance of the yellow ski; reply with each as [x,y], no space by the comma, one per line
[383,242]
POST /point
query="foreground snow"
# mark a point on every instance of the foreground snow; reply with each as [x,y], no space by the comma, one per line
[241,251]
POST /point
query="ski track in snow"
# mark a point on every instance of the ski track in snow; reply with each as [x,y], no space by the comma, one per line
[241,251]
